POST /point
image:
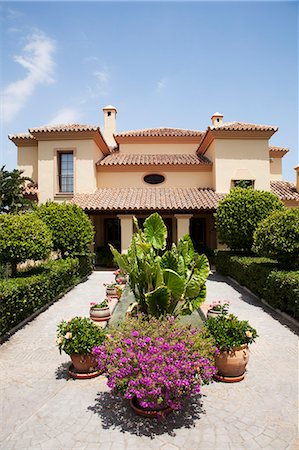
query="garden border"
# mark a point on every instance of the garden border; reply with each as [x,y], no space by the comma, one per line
[24,322]
[292,321]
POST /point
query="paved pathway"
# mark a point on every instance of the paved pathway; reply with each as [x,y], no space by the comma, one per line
[42,409]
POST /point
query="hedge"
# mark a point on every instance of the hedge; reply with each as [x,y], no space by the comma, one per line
[22,296]
[264,278]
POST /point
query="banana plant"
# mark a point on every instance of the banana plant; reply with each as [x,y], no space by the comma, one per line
[163,282]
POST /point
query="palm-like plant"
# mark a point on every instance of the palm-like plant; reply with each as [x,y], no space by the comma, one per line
[12,185]
[163,282]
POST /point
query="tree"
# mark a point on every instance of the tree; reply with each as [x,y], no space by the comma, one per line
[22,237]
[239,213]
[72,231]
[277,237]
[12,185]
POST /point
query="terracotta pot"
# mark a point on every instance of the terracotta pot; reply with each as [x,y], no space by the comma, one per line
[214,314]
[149,413]
[232,364]
[84,363]
[99,313]
[111,291]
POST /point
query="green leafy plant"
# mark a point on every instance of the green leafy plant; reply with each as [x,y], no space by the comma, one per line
[163,282]
[72,231]
[239,214]
[22,237]
[277,237]
[79,335]
[12,185]
[229,332]
[103,304]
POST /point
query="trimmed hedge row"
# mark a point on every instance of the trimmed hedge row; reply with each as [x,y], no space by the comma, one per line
[264,278]
[22,296]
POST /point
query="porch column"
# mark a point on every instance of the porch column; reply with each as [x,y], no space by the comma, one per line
[126,231]
[183,224]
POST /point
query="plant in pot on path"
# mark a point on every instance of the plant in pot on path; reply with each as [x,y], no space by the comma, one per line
[232,337]
[111,290]
[156,364]
[100,312]
[120,276]
[77,337]
[217,308]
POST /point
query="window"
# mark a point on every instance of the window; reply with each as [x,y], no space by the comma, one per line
[243,183]
[66,172]
[154,178]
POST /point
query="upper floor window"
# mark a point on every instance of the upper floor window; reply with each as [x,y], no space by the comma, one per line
[154,178]
[66,172]
[243,183]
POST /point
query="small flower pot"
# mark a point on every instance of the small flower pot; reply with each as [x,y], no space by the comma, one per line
[120,279]
[100,314]
[149,413]
[111,291]
[212,313]
[232,365]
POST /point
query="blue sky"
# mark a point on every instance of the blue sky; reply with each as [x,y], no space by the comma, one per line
[161,64]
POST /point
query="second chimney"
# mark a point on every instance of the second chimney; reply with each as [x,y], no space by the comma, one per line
[109,124]
[217,119]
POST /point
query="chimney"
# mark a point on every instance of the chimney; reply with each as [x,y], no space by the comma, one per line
[109,124]
[217,119]
[297,178]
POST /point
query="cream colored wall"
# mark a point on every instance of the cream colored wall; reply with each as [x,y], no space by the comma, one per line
[28,162]
[86,154]
[172,179]
[249,156]
[210,154]
[276,169]
[157,148]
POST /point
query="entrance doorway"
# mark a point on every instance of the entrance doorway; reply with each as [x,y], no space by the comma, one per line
[198,233]
[112,232]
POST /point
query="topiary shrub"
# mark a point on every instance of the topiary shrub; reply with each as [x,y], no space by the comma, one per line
[23,237]
[277,237]
[72,231]
[239,213]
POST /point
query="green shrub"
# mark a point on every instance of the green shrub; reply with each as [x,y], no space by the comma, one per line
[277,237]
[264,278]
[79,335]
[22,296]
[239,213]
[23,237]
[72,231]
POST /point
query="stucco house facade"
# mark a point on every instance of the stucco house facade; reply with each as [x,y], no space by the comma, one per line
[180,173]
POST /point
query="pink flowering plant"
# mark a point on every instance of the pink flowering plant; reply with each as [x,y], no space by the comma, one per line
[159,363]
[219,306]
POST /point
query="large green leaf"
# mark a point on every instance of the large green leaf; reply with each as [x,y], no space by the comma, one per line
[200,298]
[169,261]
[174,282]
[194,286]
[158,301]
[186,248]
[202,265]
[121,260]
[155,231]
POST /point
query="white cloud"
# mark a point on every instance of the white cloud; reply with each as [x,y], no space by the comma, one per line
[102,84]
[37,60]
[66,115]
[162,83]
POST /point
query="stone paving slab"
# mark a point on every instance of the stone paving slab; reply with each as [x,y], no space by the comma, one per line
[42,409]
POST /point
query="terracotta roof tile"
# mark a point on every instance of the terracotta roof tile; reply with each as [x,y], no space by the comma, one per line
[285,190]
[278,149]
[161,132]
[242,126]
[64,127]
[130,199]
[21,136]
[121,159]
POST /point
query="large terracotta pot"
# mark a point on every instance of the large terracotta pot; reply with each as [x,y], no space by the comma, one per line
[84,363]
[232,365]
[100,313]
[149,413]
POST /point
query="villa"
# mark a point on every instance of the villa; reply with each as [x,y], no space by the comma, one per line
[180,173]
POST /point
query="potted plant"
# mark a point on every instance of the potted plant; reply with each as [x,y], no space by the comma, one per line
[232,337]
[120,276]
[100,312]
[77,337]
[156,364]
[111,289]
[217,308]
